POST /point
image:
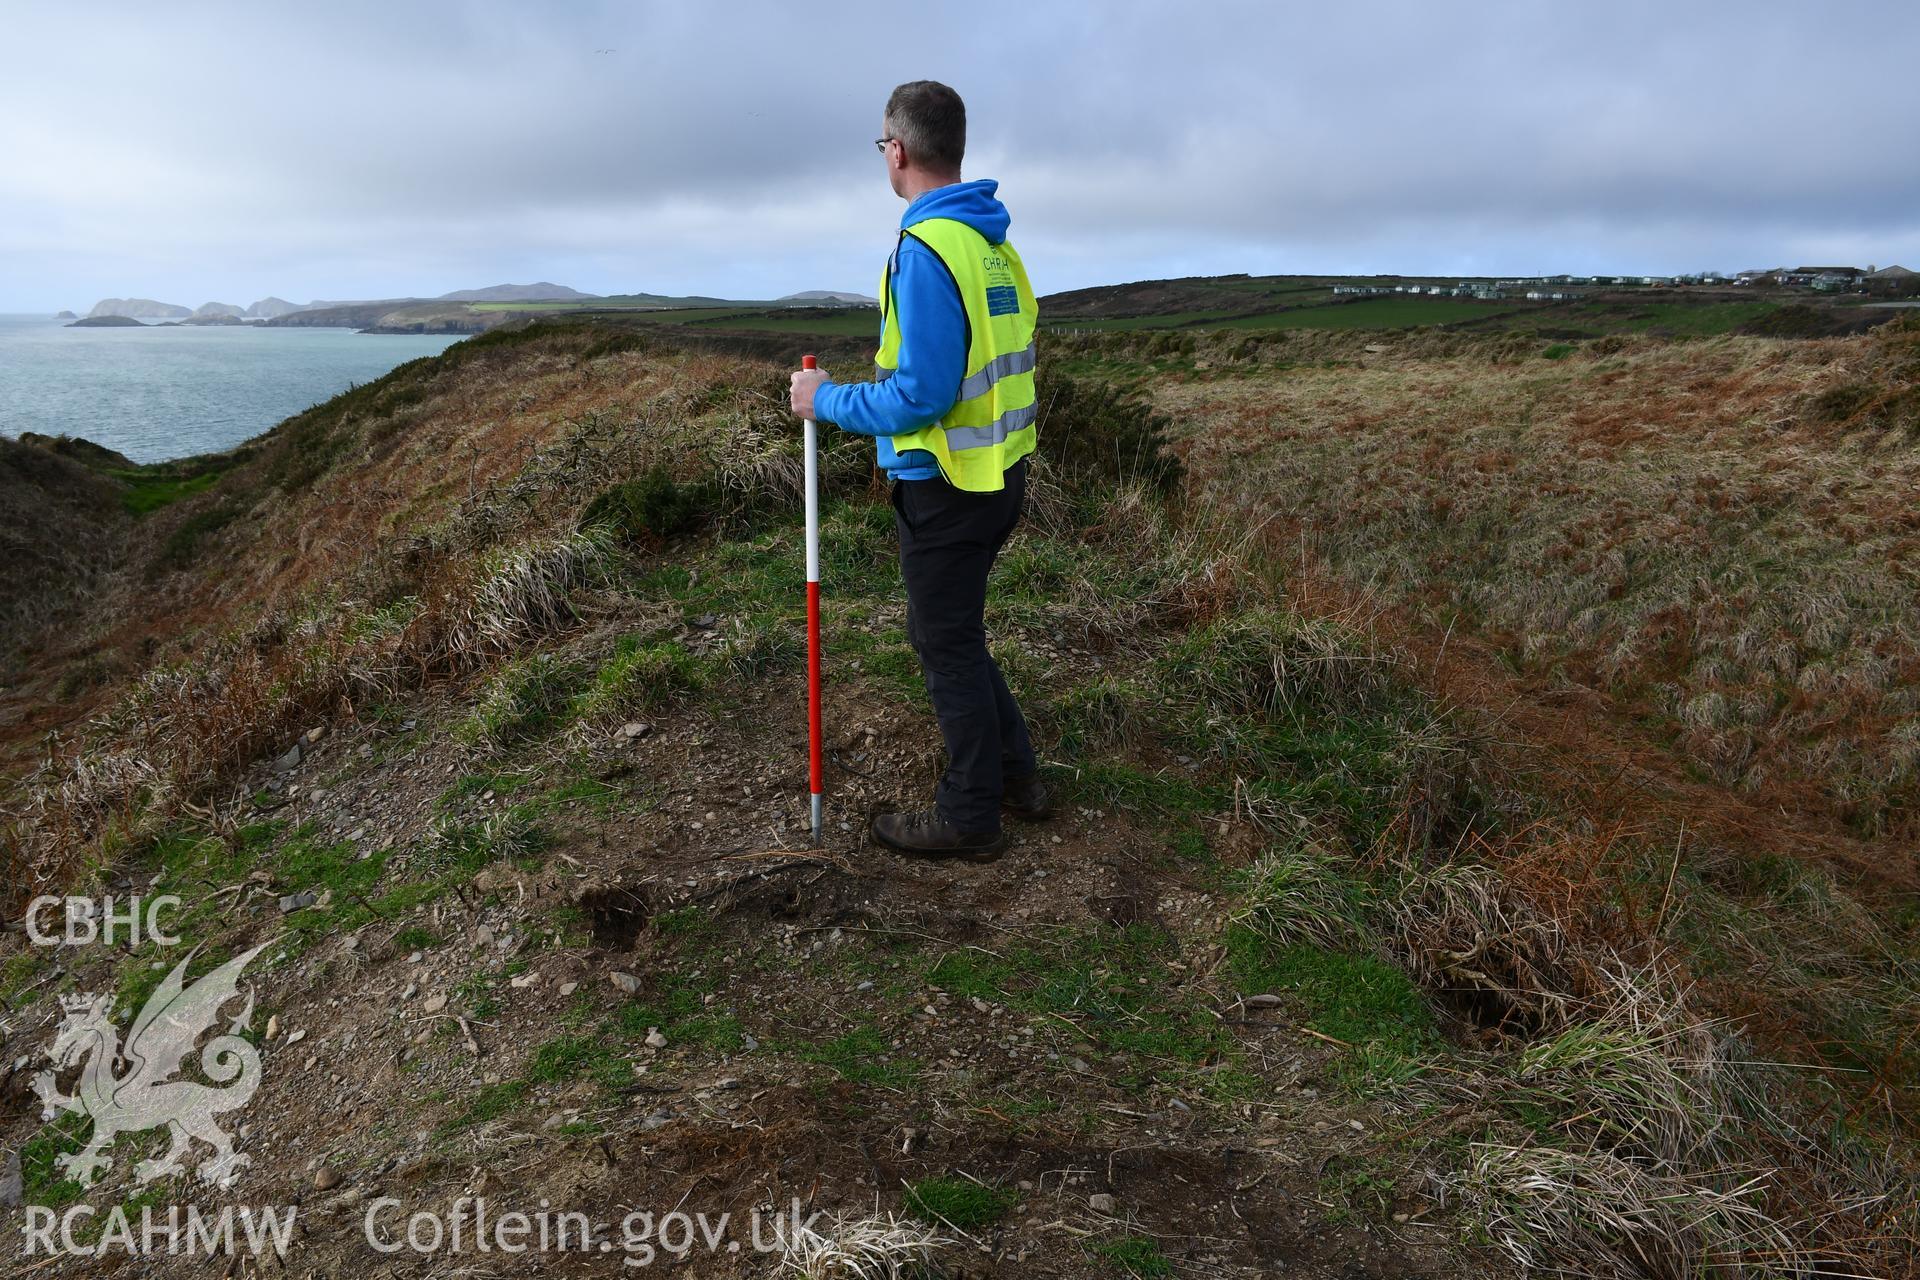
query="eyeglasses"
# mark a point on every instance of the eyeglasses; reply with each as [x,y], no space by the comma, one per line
[881,143]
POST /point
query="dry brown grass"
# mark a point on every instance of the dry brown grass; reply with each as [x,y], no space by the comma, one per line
[59,523]
[1679,528]
[441,535]
[1669,585]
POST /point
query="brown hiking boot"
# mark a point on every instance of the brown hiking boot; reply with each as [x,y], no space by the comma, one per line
[929,835]
[1027,798]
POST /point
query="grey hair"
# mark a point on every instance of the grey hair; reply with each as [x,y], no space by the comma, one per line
[931,123]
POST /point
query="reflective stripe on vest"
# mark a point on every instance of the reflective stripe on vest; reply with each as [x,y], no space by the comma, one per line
[994,432]
[991,423]
[976,384]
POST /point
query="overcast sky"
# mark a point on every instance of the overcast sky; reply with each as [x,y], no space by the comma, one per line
[199,152]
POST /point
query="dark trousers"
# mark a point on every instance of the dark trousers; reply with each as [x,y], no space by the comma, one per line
[948,540]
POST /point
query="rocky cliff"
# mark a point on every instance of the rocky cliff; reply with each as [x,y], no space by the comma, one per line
[138,309]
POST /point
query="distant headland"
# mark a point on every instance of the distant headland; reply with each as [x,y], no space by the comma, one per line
[463,311]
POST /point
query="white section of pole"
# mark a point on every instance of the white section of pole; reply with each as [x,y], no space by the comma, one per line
[813,501]
[815,746]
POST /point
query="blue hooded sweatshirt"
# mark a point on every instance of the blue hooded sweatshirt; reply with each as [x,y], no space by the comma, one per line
[933,335]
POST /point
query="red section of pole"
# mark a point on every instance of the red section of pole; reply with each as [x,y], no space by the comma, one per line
[808,362]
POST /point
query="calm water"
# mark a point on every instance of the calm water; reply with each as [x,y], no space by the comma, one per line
[156,393]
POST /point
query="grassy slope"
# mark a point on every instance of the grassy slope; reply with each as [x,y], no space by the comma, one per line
[1684,528]
[1259,804]
[59,521]
[1680,576]
[1080,998]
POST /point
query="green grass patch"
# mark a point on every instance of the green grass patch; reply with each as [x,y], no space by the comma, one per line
[677,1006]
[148,491]
[863,1057]
[479,993]
[599,795]
[567,1058]
[1136,1256]
[1113,784]
[692,923]
[19,972]
[642,675]
[305,862]
[140,973]
[1365,1003]
[488,1103]
[475,785]
[41,1181]
[1687,319]
[463,846]
[959,1202]
[523,701]
[1111,985]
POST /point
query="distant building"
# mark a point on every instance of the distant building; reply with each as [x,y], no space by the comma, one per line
[1822,278]
[1895,281]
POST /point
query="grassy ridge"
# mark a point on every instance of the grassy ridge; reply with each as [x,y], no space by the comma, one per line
[1416,908]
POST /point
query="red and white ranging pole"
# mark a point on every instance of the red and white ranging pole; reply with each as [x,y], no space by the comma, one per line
[813,611]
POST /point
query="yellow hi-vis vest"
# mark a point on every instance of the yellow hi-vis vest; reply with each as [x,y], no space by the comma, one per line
[991,424]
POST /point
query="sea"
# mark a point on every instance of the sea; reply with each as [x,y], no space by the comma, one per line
[157,393]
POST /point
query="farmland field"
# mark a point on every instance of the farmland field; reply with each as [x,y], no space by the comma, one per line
[1378,313]
[853,322]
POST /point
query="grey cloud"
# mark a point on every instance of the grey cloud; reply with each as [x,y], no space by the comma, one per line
[233,151]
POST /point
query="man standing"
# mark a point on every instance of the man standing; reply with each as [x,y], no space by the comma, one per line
[952,413]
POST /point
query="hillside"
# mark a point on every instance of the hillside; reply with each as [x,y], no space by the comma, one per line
[1411,912]
[59,520]
[1566,312]
[543,291]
